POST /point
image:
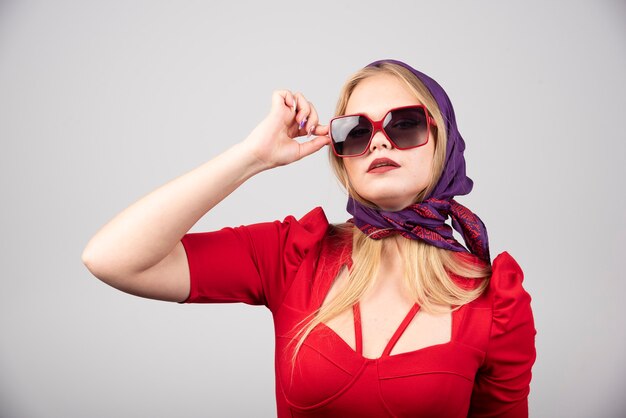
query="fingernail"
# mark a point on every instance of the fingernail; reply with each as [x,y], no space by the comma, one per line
[295,102]
[310,131]
[303,123]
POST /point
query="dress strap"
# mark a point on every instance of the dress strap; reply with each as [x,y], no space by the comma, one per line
[405,323]
[358,334]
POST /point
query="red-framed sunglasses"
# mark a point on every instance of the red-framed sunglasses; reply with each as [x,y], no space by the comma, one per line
[405,127]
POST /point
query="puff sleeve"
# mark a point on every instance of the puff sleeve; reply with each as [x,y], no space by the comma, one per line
[253,264]
[502,383]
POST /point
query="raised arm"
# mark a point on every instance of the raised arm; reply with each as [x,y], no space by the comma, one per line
[139,250]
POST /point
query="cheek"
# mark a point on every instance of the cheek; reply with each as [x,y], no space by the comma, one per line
[352,168]
[427,158]
[421,168]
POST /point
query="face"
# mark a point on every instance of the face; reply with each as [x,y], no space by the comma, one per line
[390,188]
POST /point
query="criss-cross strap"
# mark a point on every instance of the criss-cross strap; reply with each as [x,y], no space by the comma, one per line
[358,333]
[405,323]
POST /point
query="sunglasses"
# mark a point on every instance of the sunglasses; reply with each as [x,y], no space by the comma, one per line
[405,127]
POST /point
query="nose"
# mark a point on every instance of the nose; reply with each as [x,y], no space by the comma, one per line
[380,141]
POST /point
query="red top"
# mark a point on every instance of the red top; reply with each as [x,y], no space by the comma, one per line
[289,266]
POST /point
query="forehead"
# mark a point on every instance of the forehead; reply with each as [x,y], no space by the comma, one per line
[375,95]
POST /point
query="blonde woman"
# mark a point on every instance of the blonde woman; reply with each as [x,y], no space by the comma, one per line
[386,315]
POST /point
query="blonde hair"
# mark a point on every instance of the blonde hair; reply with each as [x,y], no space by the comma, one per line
[426,267]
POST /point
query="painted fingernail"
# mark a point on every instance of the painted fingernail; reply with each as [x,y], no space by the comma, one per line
[310,131]
[303,123]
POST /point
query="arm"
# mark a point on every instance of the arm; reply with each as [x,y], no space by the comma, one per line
[139,251]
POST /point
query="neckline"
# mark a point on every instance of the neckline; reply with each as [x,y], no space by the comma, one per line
[352,353]
[345,259]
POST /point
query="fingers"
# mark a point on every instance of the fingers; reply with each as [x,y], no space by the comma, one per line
[309,147]
[320,130]
[305,114]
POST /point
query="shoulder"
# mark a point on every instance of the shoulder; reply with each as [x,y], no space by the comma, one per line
[505,294]
[314,221]
[507,278]
[310,227]
[509,299]
[300,236]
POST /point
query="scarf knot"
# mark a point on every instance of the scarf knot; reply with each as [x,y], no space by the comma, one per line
[426,221]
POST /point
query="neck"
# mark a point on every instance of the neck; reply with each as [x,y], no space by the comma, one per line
[391,257]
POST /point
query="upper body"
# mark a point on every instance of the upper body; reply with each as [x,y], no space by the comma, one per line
[477,362]
[396,150]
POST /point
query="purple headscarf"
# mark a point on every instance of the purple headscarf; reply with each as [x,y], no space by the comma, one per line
[426,220]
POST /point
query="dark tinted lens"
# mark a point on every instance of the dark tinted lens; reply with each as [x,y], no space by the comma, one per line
[407,128]
[350,134]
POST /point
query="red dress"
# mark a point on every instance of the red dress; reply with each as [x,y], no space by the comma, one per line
[289,266]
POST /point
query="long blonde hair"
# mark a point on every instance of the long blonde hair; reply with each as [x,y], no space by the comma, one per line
[426,267]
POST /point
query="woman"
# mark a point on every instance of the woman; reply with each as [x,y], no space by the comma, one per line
[385,315]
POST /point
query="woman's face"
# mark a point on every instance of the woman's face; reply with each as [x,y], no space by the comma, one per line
[389,188]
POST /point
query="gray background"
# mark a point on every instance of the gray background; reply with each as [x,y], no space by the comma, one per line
[102,102]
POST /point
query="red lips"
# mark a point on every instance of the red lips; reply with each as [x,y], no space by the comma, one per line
[382,162]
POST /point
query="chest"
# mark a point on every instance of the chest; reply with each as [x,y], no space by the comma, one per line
[384,314]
